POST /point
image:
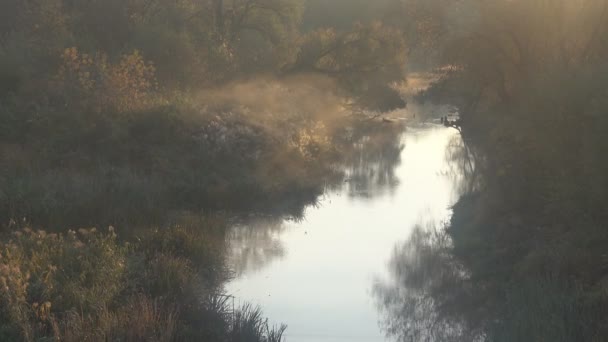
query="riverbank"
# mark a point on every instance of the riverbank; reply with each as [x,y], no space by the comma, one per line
[237,154]
[87,285]
[139,180]
[527,260]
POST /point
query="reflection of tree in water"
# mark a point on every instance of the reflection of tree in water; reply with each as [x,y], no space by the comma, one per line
[425,293]
[371,159]
[460,159]
[369,154]
[254,243]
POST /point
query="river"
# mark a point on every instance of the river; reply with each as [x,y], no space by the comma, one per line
[317,274]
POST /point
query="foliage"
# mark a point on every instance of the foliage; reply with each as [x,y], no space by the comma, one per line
[49,273]
[101,109]
[343,14]
[257,27]
[124,111]
[86,285]
[123,87]
[366,60]
[526,77]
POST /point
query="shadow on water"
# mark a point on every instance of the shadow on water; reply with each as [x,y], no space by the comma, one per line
[425,284]
[430,295]
[426,293]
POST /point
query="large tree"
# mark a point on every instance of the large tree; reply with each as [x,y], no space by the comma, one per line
[368,60]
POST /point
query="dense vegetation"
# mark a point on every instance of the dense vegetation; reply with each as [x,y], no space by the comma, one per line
[112,111]
[125,113]
[524,257]
[85,285]
[131,113]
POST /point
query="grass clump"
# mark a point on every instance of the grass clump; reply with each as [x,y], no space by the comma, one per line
[249,325]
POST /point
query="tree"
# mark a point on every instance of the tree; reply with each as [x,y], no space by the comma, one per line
[367,60]
[529,77]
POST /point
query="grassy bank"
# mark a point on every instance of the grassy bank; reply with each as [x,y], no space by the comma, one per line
[145,164]
[86,285]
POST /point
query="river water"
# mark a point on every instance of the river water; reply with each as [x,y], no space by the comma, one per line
[316,275]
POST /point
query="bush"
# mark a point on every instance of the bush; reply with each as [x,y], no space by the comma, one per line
[47,274]
[86,285]
[89,82]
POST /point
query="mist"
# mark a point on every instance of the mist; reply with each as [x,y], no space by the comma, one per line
[314,97]
[185,170]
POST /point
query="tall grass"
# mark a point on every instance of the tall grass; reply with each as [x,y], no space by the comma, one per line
[249,324]
[86,285]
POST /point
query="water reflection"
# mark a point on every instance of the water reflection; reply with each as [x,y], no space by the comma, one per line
[370,155]
[316,275]
[254,243]
[370,167]
[423,284]
[460,165]
[437,290]
[426,294]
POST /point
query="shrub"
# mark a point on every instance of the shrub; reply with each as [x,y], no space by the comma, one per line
[43,275]
[90,82]
[85,285]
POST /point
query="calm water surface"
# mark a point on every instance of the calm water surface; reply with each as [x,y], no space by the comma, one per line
[317,275]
